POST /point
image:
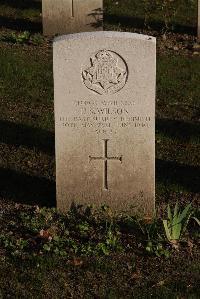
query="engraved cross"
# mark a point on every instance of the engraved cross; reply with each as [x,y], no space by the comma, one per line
[72,9]
[105,159]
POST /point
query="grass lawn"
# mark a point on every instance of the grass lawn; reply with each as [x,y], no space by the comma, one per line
[180,15]
[92,254]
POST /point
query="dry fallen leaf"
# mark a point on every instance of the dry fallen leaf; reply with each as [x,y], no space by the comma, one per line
[136,275]
[76,262]
[148,220]
[45,234]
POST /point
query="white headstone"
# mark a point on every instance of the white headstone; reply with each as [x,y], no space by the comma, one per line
[104,120]
[70,16]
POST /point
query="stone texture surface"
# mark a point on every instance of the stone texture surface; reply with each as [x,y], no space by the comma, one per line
[104,120]
[71,16]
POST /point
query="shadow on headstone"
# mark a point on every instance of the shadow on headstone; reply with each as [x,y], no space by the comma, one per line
[26,189]
[97,15]
[19,134]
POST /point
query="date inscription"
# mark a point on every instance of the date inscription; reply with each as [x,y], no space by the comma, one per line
[104,116]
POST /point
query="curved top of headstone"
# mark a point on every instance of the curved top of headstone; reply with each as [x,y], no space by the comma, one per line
[105,34]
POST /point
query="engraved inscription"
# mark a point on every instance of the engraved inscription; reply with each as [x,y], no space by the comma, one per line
[107,74]
[105,116]
[105,159]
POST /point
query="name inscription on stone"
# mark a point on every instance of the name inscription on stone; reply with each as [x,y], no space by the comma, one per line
[104,116]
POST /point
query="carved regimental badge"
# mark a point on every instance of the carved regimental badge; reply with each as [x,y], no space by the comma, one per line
[107,74]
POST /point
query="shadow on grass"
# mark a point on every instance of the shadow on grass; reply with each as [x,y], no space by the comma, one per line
[26,189]
[173,173]
[178,129]
[22,4]
[21,24]
[138,23]
[21,187]
[18,134]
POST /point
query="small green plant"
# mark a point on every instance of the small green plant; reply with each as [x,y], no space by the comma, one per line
[37,39]
[18,38]
[39,219]
[83,228]
[21,38]
[111,243]
[112,240]
[15,247]
[155,240]
[157,248]
[7,242]
[176,223]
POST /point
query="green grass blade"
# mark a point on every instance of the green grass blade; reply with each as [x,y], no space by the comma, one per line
[176,231]
[175,221]
[167,231]
[184,214]
[197,220]
[175,210]
[185,223]
[169,213]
